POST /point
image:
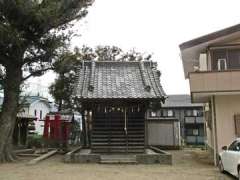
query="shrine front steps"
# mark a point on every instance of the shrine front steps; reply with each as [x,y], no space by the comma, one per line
[118,159]
[151,155]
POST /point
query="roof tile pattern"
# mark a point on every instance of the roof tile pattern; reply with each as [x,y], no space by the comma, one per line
[108,79]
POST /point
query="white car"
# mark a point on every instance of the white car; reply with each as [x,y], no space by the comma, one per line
[229,159]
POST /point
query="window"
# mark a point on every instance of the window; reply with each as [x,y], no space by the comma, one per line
[170,113]
[201,131]
[195,112]
[40,114]
[167,113]
[192,132]
[189,132]
[200,113]
[233,56]
[164,113]
[218,54]
[195,132]
[237,124]
[231,147]
[238,147]
[35,112]
[153,114]
[188,112]
[222,64]
[225,58]
[235,146]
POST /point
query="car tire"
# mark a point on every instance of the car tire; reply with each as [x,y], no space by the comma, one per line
[220,166]
[238,173]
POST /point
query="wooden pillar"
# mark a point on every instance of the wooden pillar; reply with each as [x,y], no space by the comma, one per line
[89,127]
[22,131]
[25,131]
[146,129]
[84,139]
[27,123]
[19,132]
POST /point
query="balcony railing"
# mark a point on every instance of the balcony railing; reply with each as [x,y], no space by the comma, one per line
[215,81]
[193,120]
[199,120]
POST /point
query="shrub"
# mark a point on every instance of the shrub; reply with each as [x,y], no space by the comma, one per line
[35,141]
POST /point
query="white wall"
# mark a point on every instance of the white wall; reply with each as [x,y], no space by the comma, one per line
[209,137]
[162,133]
[226,108]
[39,106]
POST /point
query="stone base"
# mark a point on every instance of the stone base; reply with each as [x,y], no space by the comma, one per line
[152,156]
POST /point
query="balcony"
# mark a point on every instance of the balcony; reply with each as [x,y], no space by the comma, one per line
[199,120]
[207,83]
[194,120]
[190,120]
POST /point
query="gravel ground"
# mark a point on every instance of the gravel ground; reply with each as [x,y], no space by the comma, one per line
[188,165]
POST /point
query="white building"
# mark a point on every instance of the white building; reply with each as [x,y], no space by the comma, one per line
[38,107]
[35,106]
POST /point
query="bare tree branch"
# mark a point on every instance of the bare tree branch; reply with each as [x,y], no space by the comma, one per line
[37,72]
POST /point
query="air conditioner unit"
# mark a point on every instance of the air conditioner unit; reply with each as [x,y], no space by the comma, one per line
[206,107]
[222,64]
[195,68]
[203,62]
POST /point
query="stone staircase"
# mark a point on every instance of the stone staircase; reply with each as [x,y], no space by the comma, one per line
[118,159]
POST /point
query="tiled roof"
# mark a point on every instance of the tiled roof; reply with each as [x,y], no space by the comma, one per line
[28,100]
[111,79]
[180,100]
[31,99]
[212,36]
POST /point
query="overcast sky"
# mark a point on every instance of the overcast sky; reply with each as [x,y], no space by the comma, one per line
[154,26]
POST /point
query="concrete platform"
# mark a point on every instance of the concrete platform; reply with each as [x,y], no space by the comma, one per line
[152,155]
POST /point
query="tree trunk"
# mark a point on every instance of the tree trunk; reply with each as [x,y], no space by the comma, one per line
[9,111]
[60,105]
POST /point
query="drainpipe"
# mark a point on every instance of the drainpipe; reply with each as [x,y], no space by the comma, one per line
[205,127]
[179,133]
[214,129]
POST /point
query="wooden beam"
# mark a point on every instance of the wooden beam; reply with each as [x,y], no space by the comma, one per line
[69,156]
[20,151]
[44,156]
[28,155]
